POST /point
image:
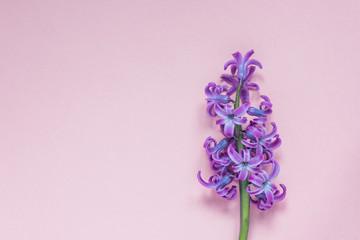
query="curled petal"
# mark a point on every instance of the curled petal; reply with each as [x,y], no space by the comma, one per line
[228,63]
[255,192]
[238,57]
[279,197]
[249,144]
[274,171]
[253,133]
[208,92]
[272,133]
[253,85]
[205,184]
[274,144]
[210,110]
[269,195]
[254,62]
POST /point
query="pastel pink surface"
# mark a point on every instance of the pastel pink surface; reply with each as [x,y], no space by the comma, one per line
[103,117]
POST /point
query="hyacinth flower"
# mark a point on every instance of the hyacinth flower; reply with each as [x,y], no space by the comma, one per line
[231,117]
[246,85]
[264,108]
[262,203]
[241,64]
[262,181]
[243,163]
[213,148]
[214,97]
[260,139]
[219,184]
[242,155]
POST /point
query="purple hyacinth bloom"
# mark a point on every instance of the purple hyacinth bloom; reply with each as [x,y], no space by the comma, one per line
[213,148]
[214,97]
[260,139]
[262,202]
[222,165]
[264,108]
[219,184]
[262,181]
[241,64]
[245,85]
[244,162]
[230,117]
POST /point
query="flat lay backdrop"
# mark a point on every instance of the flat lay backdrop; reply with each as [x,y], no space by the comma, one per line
[103,117]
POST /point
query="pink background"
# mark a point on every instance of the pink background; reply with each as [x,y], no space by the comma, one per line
[103,117]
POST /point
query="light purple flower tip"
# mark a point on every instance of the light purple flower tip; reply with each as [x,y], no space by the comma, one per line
[242,64]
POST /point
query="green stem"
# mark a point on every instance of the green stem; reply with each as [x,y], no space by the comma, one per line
[244,195]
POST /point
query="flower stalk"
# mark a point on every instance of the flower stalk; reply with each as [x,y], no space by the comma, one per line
[244,195]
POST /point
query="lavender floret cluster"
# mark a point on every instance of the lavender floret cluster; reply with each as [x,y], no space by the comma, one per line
[248,163]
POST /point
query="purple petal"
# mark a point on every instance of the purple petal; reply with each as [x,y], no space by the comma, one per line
[246,154]
[269,195]
[240,121]
[253,85]
[254,62]
[208,92]
[263,175]
[253,133]
[280,197]
[230,79]
[241,110]
[242,175]
[256,160]
[229,129]
[272,133]
[256,180]
[244,94]
[210,110]
[220,111]
[249,144]
[234,156]
[274,171]
[248,55]
[205,184]
[255,192]
[274,144]
[221,121]
[260,120]
[231,194]
[233,69]
[231,90]
[228,63]
[237,57]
